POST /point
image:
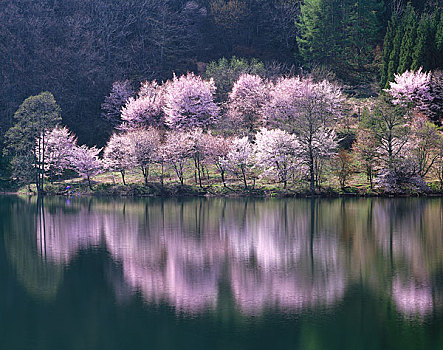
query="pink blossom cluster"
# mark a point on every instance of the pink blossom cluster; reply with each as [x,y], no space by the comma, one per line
[411,88]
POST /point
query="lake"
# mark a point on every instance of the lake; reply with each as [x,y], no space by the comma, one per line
[91,273]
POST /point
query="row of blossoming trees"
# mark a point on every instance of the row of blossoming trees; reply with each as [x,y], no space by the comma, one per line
[278,130]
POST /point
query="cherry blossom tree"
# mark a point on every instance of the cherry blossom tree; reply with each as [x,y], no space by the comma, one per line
[246,100]
[277,152]
[197,152]
[411,89]
[216,152]
[86,162]
[119,154]
[307,109]
[145,110]
[189,102]
[118,97]
[365,150]
[177,152]
[240,157]
[421,91]
[59,149]
[146,143]
[322,149]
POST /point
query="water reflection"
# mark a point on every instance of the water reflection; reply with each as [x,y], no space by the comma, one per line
[290,255]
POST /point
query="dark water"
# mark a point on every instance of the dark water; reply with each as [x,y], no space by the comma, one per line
[221,274]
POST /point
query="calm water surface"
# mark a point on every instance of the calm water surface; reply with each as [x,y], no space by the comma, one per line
[221,274]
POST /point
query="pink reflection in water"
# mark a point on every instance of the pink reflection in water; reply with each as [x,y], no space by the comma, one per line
[412,298]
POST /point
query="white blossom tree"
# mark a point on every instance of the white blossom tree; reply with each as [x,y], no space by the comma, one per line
[146,143]
[59,149]
[145,110]
[246,101]
[177,152]
[411,89]
[197,152]
[86,162]
[189,102]
[307,109]
[240,158]
[216,152]
[119,154]
[277,152]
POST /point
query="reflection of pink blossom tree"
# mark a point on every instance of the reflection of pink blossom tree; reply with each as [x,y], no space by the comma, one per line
[277,151]
[189,102]
[412,298]
[246,100]
[86,162]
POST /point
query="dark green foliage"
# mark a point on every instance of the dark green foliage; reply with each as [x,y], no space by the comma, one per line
[410,44]
[408,39]
[425,51]
[77,48]
[340,34]
[35,115]
[439,40]
[394,56]
[225,72]
[387,49]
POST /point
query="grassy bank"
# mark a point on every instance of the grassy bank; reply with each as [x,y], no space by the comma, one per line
[110,184]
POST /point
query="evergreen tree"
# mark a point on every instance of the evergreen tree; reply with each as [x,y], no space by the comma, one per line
[368,28]
[439,41]
[425,50]
[319,30]
[408,40]
[387,49]
[26,139]
[394,55]
[341,34]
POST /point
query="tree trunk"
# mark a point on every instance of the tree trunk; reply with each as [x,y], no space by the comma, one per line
[145,171]
[223,178]
[43,158]
[311,172]
[123,177]
[89,183]
[244,178]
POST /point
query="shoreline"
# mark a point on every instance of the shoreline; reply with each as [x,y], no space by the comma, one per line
[180,191]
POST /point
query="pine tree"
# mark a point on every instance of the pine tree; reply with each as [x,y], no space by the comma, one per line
[439,42]
[319,30]
[388,46]
[368,28]
[408,40]
[394,56]
[425,50]
[339,33]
